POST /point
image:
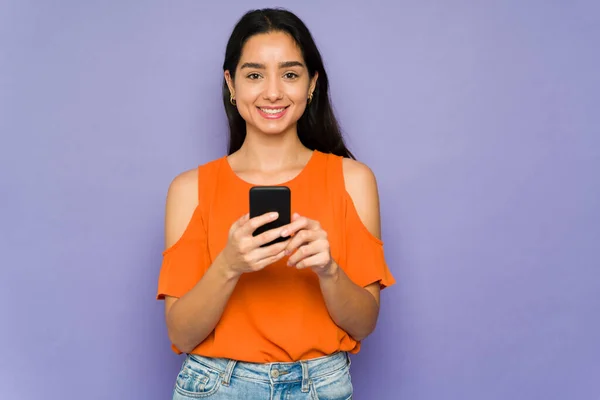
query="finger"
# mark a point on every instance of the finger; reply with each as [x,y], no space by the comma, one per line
[306,251]
[267,236]
[299,222]
[296,225]
[268,261]
[316,260]
[258,256]
[301,238]
[253,223]
[261,253]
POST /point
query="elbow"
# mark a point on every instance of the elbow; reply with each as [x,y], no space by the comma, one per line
[184,348]
[363,333]
[180,343]
[369,320]
[363,327]
[179,339]
[360,337]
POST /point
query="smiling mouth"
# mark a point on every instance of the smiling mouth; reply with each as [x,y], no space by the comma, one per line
[272,111]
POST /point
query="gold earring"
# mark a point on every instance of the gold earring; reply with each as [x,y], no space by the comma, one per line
[232,100]
[310,96]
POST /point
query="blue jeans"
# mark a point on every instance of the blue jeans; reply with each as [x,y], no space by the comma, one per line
[324,378]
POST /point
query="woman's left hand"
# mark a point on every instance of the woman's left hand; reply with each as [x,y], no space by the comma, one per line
[309,247]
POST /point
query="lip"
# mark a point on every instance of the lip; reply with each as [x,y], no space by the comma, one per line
[272,116]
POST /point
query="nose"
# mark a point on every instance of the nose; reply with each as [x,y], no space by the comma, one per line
[273,90]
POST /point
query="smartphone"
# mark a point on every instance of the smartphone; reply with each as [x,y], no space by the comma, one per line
[264,199]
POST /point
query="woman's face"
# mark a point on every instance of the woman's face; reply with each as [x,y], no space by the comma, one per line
[272,83]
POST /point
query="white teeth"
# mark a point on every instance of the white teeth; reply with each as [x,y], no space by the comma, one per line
[272,111]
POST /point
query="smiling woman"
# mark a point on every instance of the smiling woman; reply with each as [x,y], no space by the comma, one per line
[279,320]
[274,47]
[269,90]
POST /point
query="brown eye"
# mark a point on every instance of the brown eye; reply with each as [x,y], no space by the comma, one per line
[253,76]
[291,75]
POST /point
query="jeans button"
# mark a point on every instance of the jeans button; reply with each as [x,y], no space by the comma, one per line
[275,373]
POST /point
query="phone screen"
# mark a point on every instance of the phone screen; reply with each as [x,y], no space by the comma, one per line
[265,199]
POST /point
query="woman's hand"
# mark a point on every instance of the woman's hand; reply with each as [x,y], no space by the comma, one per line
[309,245]
[243,252]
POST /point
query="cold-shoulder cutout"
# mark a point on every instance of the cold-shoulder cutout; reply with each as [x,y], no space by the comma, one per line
[185,257]
[181,205]
[365,260]
[360,187]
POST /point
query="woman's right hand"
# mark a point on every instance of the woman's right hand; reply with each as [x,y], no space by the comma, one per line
[243,252]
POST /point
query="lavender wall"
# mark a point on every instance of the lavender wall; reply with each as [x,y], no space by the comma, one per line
[480,120]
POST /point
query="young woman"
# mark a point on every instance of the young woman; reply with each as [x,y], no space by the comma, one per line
[276,321]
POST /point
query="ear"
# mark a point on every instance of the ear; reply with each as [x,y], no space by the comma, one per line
[313,82]
[229,81]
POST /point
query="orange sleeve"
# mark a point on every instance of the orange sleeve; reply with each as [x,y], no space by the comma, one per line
[185,262]
[365,259]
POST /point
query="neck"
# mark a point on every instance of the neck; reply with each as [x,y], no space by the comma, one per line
[272,152]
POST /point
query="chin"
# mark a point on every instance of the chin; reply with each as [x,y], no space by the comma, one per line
[276,128]
[273,131]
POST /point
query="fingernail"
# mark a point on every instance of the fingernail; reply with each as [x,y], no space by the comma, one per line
[284,233]
[274,215]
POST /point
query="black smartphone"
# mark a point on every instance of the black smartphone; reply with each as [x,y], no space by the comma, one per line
[264,199]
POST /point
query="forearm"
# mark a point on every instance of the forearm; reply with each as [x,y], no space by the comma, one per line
[350,306]
[194,316]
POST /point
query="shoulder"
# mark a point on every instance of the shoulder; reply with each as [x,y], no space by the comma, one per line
[186,184]
[357,177]
[182,200]
[361,186]
[183,186]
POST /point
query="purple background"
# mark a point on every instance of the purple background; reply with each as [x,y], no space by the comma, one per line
[480,120]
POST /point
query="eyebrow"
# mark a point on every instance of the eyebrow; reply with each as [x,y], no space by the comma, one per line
[286,64]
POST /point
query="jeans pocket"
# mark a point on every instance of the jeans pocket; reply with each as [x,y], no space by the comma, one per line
[197,381]
[335,386]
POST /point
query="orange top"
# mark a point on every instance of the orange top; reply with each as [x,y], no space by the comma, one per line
[277,314]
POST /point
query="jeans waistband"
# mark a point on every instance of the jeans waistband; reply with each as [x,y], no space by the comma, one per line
[275,372]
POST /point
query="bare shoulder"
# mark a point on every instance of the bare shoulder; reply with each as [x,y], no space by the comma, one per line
[358,175]
[182,200]
[361,185]
[186,181]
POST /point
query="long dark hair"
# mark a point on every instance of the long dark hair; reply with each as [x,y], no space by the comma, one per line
[318,128]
